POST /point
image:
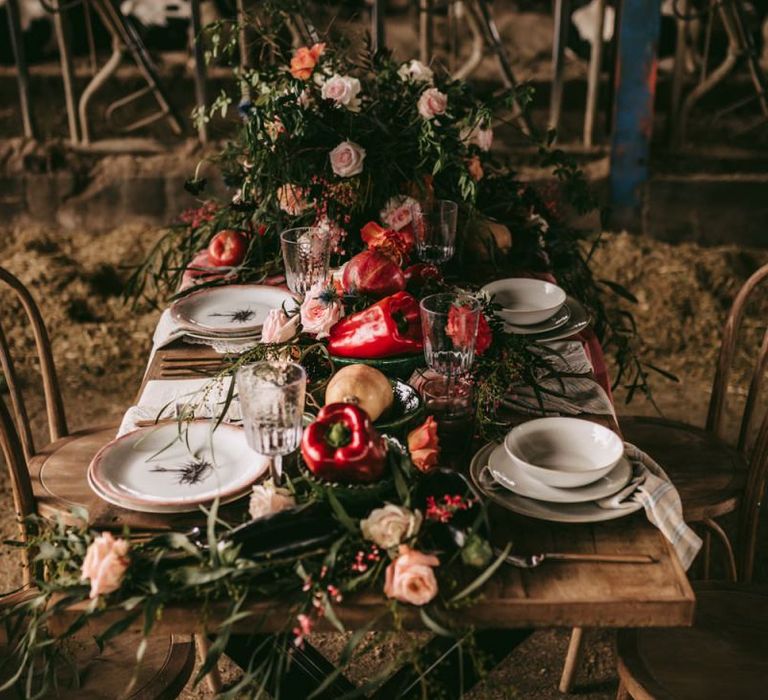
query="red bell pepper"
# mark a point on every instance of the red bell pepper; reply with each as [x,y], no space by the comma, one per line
[342,445]
[391,326]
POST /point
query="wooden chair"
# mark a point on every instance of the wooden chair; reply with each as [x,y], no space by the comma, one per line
[169,660]
[722,656]
[713,478]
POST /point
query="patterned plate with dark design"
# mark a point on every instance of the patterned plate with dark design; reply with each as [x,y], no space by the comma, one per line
[237,309]
[176,465]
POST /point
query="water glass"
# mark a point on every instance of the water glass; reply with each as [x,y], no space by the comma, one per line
[451,405]
[272,403]
[449,327]
[306,252]
[434,226]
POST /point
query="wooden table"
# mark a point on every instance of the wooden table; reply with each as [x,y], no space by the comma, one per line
[555,594]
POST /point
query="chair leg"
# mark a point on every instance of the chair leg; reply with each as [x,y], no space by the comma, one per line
[715,527]
[213,679]
[623,693]
[707,553]
[572,658]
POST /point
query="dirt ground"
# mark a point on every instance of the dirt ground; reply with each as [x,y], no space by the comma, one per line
[100,348]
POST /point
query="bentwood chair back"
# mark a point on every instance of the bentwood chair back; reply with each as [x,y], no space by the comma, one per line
[54,406]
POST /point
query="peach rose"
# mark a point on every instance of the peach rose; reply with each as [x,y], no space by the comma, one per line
[424,445]
[320,310]
[266,499]
[279,327]
[475,168]
[105,564]
[390,525]
[347,159]
[291,199]
[410,578]
[304,61]
[432,103]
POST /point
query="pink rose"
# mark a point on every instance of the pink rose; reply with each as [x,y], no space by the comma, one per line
[279,327]
[432,103]
[484,138]
[347,159]
[105,564]
[410,578]
[320,310]
[291,199]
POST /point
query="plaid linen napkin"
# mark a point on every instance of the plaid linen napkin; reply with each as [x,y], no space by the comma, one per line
[651,487]
[570,395]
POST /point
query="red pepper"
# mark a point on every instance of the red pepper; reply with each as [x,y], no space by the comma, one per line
[342,445]
[391,326]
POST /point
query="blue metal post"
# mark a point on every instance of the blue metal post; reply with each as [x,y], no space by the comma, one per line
[636,65]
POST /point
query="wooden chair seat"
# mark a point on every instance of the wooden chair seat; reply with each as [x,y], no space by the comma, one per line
[722,656]
[59,472]
[710,475]
[165,669]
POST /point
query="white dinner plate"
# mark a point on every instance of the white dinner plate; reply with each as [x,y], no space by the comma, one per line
[215,337]
[578,320]
[155,466]
[237,309]
[540,510]
[558,319]
[159,510]
[511,477]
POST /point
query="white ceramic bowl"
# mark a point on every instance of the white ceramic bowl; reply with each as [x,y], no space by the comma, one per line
[525,301]
[564,452]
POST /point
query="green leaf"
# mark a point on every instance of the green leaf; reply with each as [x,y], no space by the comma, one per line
[482,578]
[338,510]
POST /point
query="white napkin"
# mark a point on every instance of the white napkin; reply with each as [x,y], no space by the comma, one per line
[662,504]
[168,330]
[575,394]
[167,398]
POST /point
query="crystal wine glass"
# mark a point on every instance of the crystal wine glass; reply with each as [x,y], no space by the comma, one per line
[272,403]
[449,327]
[306,253]
[434,226]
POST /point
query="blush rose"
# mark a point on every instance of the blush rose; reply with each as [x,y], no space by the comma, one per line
[424,445]
[410,578]
[320,310]
[347,159]
[432,103]
[105,564]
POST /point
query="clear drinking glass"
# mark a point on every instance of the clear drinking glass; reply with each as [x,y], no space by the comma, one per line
[452,407]
[449,327]
[306,252]
[272,404]
[434,226]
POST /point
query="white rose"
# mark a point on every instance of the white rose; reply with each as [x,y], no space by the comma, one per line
[347,159]
[391,525]
[267,499]
[416,71]
[432,103]
[343,90]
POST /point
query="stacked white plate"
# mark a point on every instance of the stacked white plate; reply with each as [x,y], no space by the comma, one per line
[234,312]
[556,469]
[537,308]
[176,468]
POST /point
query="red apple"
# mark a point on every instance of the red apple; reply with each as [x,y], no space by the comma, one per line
[374,274]
[228,248]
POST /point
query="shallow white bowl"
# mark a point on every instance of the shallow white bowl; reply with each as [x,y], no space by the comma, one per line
[525,301]
[564,452]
